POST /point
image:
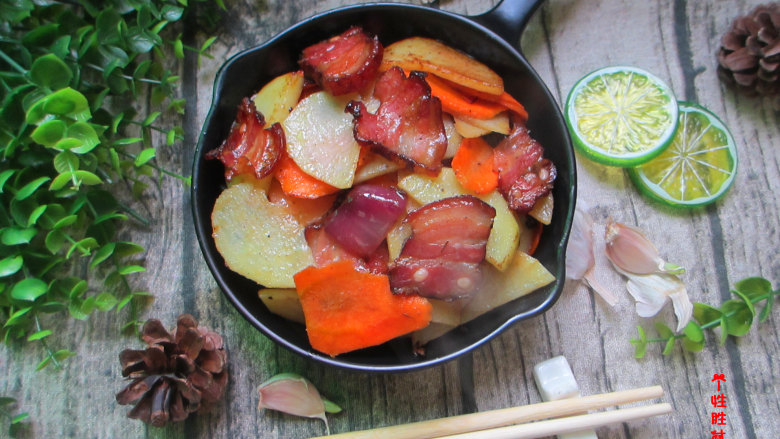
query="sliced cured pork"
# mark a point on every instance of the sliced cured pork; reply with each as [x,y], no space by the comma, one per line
[524,175]
[441,258]
[408,124]
[343,64]
[250,148]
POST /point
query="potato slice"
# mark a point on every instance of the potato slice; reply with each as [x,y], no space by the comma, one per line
[497,124]
[543,209]
[425,189]
[453,136]
[468,130]
[320,140]
[447,313]
[396,238]
[505,234]
[526,234]
[277,98]
[259,240]
[374,167]
[418,53]
[435,330]
[263,184]
[400,232]
[523,275]
[283,302]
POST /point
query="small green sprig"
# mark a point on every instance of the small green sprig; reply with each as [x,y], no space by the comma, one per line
[14,420]
[734,317]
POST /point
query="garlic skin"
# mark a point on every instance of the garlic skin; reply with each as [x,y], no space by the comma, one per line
[652,291]
[630,250]
[579,255]
[293,394]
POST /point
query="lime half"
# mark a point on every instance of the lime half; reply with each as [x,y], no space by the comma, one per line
[621,116]
[697,168]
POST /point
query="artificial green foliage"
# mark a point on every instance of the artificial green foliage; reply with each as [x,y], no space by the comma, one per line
[734,317]
[72,77]
[15,423]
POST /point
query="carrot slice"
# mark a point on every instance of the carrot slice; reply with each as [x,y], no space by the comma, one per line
[473,166]
[299,184]
[347,309]
[363,158]
[305,210]
[457,103]
[504,99]
[511,104]
[536,238]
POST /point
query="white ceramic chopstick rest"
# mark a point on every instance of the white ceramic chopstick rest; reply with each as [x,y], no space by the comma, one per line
[555,381]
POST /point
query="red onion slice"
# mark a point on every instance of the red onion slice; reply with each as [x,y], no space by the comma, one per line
[361,223]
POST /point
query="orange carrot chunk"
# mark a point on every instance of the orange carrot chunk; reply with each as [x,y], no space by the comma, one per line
[457,103]
[473,166]
[305,210]
[511,103]
[347,309]
[299,184]
[537,237]
[363,158]
[504,99]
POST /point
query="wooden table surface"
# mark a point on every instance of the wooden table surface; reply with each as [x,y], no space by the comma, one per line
[735,238]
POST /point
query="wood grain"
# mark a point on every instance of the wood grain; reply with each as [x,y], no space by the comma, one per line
[737,237]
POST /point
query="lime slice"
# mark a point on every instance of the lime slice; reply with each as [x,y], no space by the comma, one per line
[699,166]
[621,116]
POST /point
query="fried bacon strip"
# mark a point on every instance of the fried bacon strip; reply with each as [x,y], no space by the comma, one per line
[345,63]
[524,175]
[408,124]
[249,148]
[441,258]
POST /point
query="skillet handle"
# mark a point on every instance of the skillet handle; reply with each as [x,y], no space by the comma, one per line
[508,18]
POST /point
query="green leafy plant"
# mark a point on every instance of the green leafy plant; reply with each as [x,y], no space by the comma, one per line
[14,420]
[71,143]
[734,317]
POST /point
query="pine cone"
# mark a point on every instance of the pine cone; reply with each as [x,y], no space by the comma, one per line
[750,53]
[176,374]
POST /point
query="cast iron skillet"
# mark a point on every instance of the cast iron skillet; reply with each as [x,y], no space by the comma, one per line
[244,73]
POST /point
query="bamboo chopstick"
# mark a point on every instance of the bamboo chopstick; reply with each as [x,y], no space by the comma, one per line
[566,425]
[498,418]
